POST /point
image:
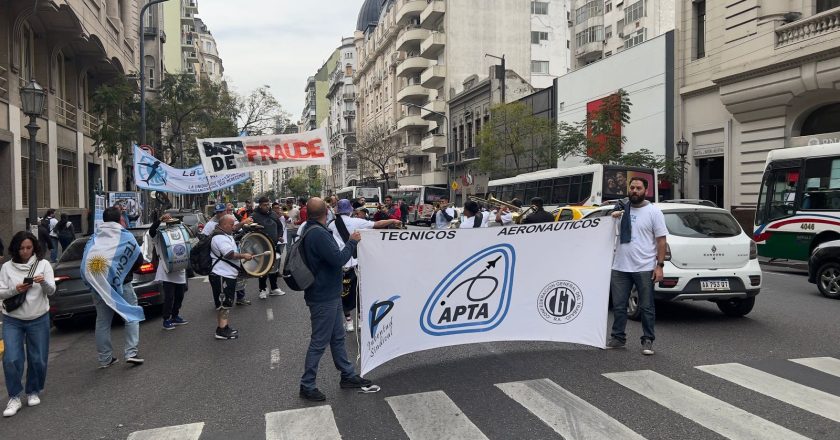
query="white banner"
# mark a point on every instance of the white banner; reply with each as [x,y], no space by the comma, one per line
[253,153]
[152,174]
[435,288]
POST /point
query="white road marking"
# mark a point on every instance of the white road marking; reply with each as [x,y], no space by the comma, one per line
[727,420]
[315,423]
[566,413]
[181,432]
[792,393]
[269,314]
[433,416]
[827,365]
[275,358]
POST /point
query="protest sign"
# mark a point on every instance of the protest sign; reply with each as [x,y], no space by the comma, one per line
[152,174]
[254,153]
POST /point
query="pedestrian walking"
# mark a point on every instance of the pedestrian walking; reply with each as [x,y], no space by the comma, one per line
[109,274]
[539,214]
[323,297]
[65,232]
[638,261]
[223,252]
[264,217]
[49,222]
[292,214]
[26,327]
[173,283]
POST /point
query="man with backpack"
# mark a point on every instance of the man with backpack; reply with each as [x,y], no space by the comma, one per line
[325,260]
[49,222]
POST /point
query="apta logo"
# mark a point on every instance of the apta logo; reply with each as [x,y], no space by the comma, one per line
[473,297]
[380,334]
[151,172]
[560,302]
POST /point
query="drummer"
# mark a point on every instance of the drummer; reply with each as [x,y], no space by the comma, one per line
[264,217]
[174,283]
[220,210]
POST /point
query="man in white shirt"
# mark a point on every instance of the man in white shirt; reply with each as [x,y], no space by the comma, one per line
[211,224]
[444,214]
[473,217]
[223,252]
[342,228]
[50,219]
[639,260]
[173,283]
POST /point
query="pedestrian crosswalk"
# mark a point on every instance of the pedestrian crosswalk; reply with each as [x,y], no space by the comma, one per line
[434,415]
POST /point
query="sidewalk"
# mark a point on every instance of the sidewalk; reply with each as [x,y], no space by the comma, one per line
[785,264]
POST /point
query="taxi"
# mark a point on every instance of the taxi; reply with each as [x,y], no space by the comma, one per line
[566,213]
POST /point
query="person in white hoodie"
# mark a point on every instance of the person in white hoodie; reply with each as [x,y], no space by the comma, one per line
[29,323]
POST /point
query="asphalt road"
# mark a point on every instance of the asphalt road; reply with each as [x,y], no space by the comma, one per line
[230,386]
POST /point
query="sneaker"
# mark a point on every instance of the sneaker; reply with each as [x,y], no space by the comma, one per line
[232,330]
[355,382]
[111,362]
[14,405]
[276,292]
[243,302]
[263,294]
[615,343]
[647,347]
[178,320]
[33,400]
[136,360]
[168,324]
[313,395]
[348,324]
[225,333]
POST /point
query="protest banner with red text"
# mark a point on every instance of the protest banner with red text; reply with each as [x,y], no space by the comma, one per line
[254,153]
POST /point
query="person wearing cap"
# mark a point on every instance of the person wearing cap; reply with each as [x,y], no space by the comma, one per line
[538,215]
[221,209]
[342,228]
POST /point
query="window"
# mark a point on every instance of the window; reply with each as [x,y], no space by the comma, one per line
[821,190]
[607,6]
[348,56]
[608,32]
[27,53]
[539,8]
[824,5]
[701,224]
[590,35]
[634,11]
[42,173]
[619,27]
[635,38]
[566,215]
[607,54]
[68,194]
[700,26]
[539,67]
[778,193]
[592,9]
[538,37]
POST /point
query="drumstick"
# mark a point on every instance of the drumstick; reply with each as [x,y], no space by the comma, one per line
[263,254]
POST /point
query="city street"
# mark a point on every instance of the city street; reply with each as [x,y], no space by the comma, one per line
[234,387]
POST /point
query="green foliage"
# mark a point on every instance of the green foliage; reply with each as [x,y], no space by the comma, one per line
[306,183]
[244,191]
[514,131]
[117,107]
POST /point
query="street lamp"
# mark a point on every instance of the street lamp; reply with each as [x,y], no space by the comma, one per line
[682,151]
[142,41]
[32,99]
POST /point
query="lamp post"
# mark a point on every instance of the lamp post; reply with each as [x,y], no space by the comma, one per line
[682,151]
[143,69]
[32,98]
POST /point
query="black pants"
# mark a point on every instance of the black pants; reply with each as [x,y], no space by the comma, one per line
[348,295]
[173,297]
[272,278]
[224,291]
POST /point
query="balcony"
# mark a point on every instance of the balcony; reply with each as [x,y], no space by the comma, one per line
[411,179]
[469,154]
[65,113]
[413,92]
[349,113]
[377,81]
[590,51]
[432,14]
[409,10]
[435,143]
[349,96]
[412,66]
[191,56]
[411,38]
[436,105]
[397,58]
[187,17]
[434,178]
[448,159]
[89,123]
[432,45]
[433,77]
[4,83]
[812,27]
[150,32]
[412,122]
[192,6]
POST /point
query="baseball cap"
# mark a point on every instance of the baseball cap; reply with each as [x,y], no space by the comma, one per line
[344,207]
[221,207]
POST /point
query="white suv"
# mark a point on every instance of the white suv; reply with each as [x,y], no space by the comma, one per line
[709,257]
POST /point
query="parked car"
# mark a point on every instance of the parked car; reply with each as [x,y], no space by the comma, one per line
[191,218]
[566,213]
[824,268]
[73,299]
[709,257]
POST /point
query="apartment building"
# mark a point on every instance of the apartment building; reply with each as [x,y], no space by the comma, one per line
[341,126]
[180,50]
[414,55]
[601,28]
[753,76]
[70,48]
[209,62]
[154,39]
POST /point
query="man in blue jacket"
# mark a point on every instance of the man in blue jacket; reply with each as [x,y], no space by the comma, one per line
[323,297]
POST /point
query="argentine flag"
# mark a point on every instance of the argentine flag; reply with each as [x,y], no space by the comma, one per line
[108,257]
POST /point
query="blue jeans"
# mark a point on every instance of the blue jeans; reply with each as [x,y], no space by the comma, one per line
[54,250]
[36,334]
[327,328]
[104,317]
[621,283]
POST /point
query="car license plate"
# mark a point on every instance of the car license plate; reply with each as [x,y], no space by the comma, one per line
[714,285]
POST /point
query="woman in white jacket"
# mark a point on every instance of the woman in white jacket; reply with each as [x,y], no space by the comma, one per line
[30,322]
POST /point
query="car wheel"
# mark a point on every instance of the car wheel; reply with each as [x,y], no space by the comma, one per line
[828,280]
[633,310]
[736,306]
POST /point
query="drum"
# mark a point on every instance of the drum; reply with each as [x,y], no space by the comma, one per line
[257,244]
[174,245]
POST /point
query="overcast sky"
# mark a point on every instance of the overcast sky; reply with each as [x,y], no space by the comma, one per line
[277,42]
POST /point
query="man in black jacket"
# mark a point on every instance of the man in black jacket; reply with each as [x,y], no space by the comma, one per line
[538,215]
[271,227]
[323,298]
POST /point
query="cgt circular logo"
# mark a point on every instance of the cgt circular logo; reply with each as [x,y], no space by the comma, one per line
[560,302]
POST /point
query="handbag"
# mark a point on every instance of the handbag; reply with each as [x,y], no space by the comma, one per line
[16,301]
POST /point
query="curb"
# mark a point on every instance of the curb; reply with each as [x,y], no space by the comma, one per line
[786,264]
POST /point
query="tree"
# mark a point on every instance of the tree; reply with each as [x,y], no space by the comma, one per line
[598,138]
[377,147]
[117,107]
[305,183]
[259,112]
[516,132]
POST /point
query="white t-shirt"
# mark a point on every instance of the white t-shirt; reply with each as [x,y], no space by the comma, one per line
[53,223]
[221,245]
[353,224]
[177,277]
[639,255]
[469,222]
[507,217]
[440,221]
[210,226]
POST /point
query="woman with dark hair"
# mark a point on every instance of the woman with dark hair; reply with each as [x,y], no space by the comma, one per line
[26,329]
[66,235]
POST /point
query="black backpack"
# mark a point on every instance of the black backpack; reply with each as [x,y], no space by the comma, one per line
[296,270]
[45,222]
[200,259]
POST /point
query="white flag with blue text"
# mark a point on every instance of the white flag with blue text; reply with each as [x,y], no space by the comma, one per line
[153,174]
[108,257]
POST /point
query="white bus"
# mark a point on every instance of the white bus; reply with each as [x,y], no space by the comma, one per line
[372,195]
[582,185]
[799,201]
[421,200]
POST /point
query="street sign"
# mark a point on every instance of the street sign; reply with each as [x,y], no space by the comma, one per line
[455,185]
